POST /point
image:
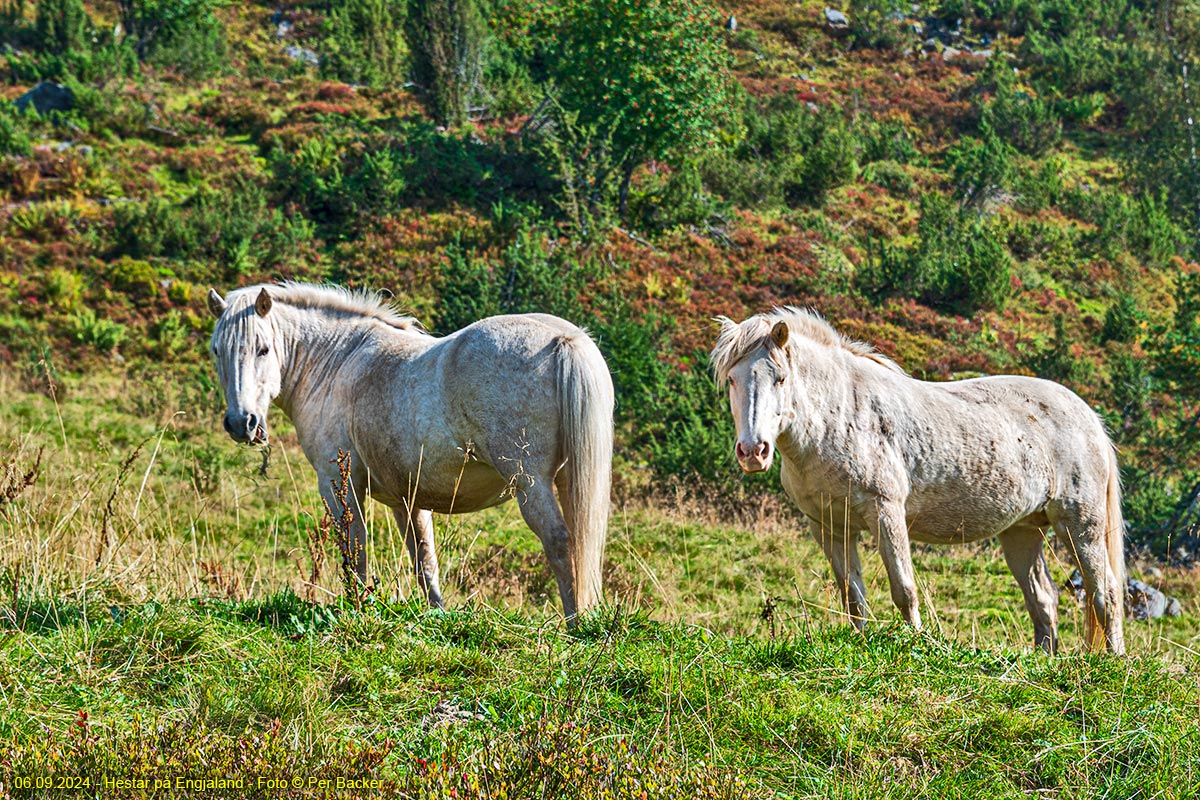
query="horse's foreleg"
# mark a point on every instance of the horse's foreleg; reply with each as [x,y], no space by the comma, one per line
[840,545]
[418,537]
[543,515]
[891,530]
[1023,551]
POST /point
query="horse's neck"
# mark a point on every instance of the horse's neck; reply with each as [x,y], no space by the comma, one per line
[318,348]
[829,402]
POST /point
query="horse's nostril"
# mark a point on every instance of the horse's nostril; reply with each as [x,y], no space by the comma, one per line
[228,424]
[763,450]
[251,423]
[741,450]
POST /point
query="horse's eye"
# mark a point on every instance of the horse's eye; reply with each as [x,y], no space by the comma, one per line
[779,381]
[732,382]
[263,351]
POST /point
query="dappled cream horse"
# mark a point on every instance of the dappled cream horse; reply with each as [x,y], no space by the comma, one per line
[512,406]
[865,446]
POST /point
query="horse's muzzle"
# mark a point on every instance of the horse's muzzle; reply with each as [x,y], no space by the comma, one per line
[250,429]
[755,458]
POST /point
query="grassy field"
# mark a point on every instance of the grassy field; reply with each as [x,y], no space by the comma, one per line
[155,625]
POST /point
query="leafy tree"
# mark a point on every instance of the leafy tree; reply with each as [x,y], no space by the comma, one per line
[447,39]
[366,42]
[645,79]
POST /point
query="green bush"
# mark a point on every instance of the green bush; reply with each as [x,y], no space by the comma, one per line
[14,136]
[1055,360]
[240,227]
[890,176]
[101,333]
[878,24]
[447,40]
[62,25]
[1017,114]
[981,168]
[1122,320]
[365,42]
[959,264]
[642,79]
[529,277]
[791,153]
[182,34]
[679,200]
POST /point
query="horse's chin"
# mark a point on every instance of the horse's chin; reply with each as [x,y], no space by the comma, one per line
[751,466]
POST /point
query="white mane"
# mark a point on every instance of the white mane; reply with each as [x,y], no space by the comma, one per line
[737,341]
[358,302]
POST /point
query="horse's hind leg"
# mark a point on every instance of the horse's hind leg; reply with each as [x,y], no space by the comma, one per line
[1085,535]
[542,514]
[1022,547]
[418,537]
[840,545]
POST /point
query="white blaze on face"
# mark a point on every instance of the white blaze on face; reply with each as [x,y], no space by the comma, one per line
[247,365]
[759,400]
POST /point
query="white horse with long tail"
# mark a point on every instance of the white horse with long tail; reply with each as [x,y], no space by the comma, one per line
[865,446]
[511,406]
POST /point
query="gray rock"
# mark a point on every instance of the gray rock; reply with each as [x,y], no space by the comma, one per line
[950,52]
[836,19]
[283,29]
[1145,602]
[47,97]
[297,53]
[731,24]
[1142,601]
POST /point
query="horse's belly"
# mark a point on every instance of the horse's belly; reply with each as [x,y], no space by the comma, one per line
[967,520]
[445,489]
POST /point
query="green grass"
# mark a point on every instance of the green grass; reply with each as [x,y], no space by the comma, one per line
[186,649]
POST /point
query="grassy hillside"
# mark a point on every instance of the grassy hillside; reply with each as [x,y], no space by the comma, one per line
[971,187]
[154,625]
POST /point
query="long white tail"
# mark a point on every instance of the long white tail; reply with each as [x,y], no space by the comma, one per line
[586,393]
[1114,595]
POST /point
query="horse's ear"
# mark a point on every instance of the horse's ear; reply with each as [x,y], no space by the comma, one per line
[216,303]
[263,304]
[779,334]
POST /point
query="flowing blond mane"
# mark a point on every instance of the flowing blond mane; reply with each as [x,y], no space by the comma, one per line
[359,302]
[737,341]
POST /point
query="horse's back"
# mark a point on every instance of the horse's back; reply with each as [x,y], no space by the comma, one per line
[1013,448]
[473,407]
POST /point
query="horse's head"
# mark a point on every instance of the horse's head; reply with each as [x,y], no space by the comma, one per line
[756,367]
[243,346]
